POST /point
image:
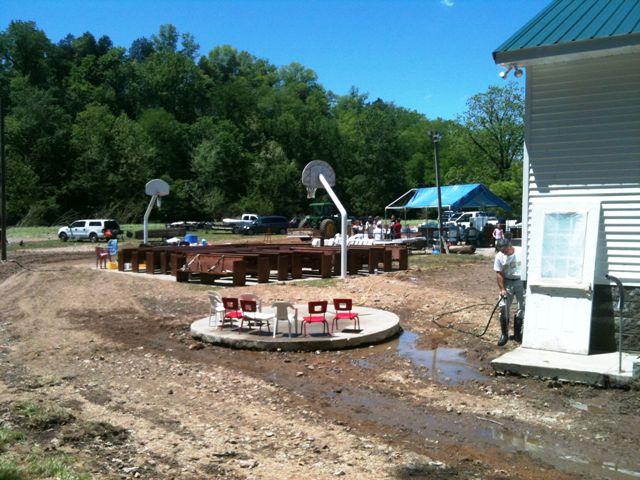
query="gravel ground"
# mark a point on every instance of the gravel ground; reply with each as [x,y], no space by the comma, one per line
[126,393]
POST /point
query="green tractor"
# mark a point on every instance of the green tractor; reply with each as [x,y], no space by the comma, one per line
[324,218]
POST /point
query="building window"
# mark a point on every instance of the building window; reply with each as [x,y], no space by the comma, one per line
[563,246]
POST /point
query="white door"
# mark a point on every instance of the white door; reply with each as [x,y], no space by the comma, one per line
[561,271]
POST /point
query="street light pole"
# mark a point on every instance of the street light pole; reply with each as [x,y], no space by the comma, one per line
[436,137]
[3,188]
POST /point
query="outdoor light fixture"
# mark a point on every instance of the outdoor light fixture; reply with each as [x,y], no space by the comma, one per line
[517,71]
[504,73]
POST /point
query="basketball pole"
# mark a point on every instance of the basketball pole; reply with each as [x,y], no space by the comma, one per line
[145,222]
[343,225]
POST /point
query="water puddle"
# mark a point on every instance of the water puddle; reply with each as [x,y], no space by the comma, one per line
[363,363]
[558,456]
[389,413]
[445,365]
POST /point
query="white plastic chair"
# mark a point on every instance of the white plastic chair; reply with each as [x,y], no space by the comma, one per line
[283,315]
[216,308]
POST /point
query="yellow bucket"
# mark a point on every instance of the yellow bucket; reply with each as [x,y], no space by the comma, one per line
[112,265]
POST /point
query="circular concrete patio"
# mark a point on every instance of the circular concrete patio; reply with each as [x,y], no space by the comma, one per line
[377,326]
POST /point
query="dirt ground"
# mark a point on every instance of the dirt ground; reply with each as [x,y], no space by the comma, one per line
[123,391]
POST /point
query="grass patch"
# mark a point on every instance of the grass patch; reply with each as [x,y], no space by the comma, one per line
[39,466]
[426,262]
[58,467]
[10,470]
[8,437]
[47,237]
[31,245]
[320,282]
[42,417]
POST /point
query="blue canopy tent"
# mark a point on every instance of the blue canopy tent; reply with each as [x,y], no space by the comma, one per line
[455,197]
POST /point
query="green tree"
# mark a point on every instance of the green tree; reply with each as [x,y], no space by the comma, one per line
[114,159]
[221,169]
[494,123]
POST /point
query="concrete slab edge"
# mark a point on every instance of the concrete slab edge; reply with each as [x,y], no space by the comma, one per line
[585,377]
[338,343]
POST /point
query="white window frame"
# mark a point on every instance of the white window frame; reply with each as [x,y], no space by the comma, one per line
[591,210]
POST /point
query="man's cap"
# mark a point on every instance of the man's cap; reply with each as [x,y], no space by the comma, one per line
[502,243]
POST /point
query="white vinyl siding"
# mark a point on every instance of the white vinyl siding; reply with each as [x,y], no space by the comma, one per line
[583,142]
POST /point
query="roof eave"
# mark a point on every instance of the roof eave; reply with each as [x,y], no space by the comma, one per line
[581,49]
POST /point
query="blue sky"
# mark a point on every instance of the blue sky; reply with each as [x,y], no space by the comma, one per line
[427,55]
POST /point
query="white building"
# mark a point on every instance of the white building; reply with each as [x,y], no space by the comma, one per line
[581,189]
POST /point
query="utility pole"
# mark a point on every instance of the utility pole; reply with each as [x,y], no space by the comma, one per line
[3,188]
[435,138]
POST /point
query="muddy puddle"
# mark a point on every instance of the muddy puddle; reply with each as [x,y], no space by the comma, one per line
[418,426]
[444,365]
[370,409]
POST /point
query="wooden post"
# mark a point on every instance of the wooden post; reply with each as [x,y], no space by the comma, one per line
[264,269]
[353,262]
[284,263]
[134,261]
[403,261]
[163,263]
[296,265]
[387,260]
[325,264]
[150,260]
[239,273]
[373,260]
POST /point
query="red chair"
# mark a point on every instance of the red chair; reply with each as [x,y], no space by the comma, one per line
[317,314]
[231,311]
[342,307]
[102,255]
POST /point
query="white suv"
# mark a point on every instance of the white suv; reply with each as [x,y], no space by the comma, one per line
[92,230]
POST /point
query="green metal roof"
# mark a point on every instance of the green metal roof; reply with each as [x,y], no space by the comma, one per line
[567,26]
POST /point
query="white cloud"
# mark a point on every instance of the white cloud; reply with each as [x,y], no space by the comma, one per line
[447,3]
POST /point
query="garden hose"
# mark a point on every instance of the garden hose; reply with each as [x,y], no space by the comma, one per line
[451,326]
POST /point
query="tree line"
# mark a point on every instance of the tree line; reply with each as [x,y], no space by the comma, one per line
[88,123]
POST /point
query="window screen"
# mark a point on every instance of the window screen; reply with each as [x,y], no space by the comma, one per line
[563,245]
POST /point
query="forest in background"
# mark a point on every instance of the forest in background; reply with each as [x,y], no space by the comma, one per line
[89,123]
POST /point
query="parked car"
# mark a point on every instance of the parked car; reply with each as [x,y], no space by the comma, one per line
[237,224]
[92,230]
[266,223]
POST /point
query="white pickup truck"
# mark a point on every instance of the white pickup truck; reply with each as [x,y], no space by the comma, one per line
[236,224]
[479,219]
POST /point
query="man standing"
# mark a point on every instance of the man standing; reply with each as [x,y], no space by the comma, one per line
[507,266]
[498,234]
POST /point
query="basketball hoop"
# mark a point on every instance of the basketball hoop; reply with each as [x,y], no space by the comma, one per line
[311,192]
[156,189]
[311,176]
[319,174]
